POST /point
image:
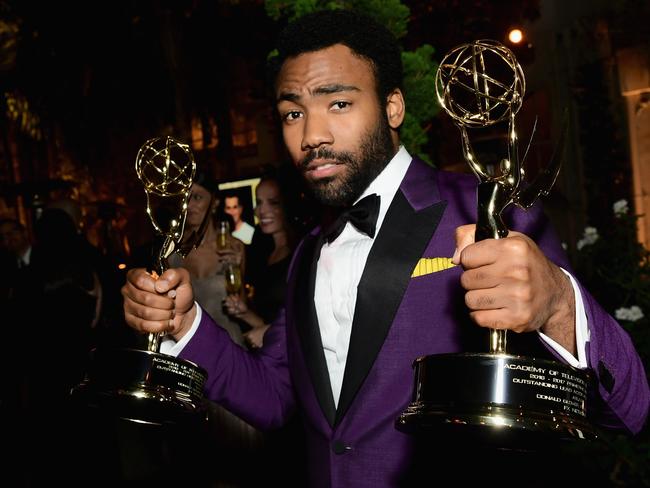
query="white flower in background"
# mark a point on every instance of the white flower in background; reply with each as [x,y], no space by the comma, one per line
[620,208]
[589,236]
[632,313]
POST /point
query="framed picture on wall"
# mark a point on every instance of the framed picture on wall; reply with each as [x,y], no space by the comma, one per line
[239,201]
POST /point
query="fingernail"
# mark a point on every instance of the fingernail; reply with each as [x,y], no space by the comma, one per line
[455,257]
[172,294]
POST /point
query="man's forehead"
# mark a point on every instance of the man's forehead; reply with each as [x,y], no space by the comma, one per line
[312,71]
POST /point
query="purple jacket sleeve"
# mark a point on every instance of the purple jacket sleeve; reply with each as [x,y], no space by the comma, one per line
[622,381]
[623,395]
[256,386]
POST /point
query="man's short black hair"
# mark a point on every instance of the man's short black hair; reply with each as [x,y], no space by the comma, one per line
[232,194]
[362,34]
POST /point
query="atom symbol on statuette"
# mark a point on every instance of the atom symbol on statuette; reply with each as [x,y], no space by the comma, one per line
[165,166]
[471,96]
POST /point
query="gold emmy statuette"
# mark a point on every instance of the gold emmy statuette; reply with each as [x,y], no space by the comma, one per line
[146,385]
[507,400]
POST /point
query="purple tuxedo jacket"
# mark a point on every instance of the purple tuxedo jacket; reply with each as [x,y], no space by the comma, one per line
[397,319]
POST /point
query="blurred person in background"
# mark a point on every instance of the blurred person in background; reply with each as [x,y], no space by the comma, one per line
[206,262]
[269,256]
[60,285]
[105,263]
[242,230]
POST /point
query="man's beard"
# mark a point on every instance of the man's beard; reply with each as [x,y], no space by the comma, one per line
[375,151]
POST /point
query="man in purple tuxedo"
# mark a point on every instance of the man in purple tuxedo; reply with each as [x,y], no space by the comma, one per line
[390,282]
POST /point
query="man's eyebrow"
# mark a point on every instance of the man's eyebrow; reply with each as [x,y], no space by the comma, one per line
[335,88]
[321,90]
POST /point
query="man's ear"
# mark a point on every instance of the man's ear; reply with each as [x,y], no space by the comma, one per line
[395,108]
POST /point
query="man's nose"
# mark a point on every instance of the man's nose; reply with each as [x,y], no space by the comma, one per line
[316,132]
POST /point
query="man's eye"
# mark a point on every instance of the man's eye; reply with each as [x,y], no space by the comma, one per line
[292,115]
[340,105]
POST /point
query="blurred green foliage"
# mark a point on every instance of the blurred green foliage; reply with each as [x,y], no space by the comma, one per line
[615,268]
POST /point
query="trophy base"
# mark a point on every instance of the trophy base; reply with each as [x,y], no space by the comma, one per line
[505,401]
[143,386]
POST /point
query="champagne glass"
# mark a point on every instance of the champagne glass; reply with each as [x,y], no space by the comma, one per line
[223,233]
[232,273]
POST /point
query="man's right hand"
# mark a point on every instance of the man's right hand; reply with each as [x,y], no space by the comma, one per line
[164,304]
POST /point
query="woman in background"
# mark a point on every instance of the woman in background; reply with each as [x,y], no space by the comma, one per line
[207,261]
[268,259]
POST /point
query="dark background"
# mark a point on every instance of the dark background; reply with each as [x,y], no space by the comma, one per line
[94,80]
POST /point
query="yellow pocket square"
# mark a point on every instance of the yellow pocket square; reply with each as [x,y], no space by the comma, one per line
[427,266]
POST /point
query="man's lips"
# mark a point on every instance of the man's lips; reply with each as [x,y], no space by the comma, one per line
[322,168]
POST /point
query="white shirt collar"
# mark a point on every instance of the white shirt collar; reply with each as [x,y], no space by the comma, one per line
[388,182]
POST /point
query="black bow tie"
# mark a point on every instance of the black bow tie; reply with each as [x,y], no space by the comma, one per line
[363,215]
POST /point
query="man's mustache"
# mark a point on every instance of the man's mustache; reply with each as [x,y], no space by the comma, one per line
[324,153]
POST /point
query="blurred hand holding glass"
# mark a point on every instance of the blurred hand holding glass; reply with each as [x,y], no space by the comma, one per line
[232,273]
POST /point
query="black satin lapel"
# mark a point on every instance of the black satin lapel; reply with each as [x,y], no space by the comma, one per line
[306,322]
[400,243]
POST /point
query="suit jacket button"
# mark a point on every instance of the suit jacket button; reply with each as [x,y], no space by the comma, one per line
[339,447]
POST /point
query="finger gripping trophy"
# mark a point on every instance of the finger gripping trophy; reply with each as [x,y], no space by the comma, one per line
[166,169]
[506,400]
[147,386]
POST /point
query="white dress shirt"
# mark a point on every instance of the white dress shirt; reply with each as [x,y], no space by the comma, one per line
[339,271]
[338,274]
